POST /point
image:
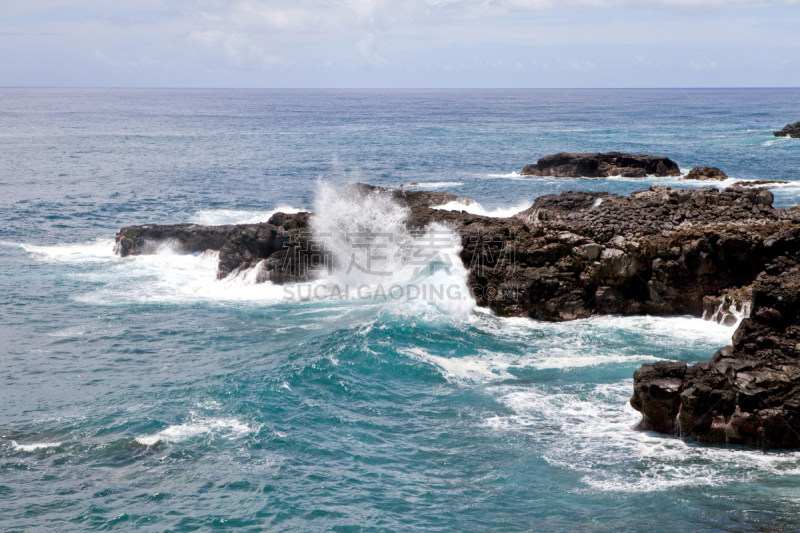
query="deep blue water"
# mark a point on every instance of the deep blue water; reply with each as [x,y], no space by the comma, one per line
[143,394]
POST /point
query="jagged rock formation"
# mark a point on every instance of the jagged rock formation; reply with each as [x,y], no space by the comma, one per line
[749,393]
[728,306]
[408,198]
[758,183]
[659,251]
[791,130]
[281,246]
[242,246]
[141,240]
[565,165]
[577,254]
[706,174]
[573,255]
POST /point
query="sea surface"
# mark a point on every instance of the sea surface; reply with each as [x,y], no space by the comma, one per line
[142,393]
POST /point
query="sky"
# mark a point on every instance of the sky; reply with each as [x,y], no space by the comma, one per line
[400,44]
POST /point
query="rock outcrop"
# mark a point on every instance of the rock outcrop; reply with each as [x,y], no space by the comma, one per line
[572,255]
[791,130]
[706,174]
[240,246]
[281,247]
[141,240]
[565,165]
[758,183]
[407,198]
[748,393]
[658,251]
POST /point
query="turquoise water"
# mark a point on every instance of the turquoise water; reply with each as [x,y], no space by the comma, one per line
[143,394]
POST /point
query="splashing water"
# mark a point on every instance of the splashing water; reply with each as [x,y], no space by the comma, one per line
[373,252]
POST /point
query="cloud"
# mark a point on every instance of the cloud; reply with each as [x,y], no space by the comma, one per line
[366,47]
[325,41]
[234,49]
[706,64]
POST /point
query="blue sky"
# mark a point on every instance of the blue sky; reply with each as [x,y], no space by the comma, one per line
[386,43]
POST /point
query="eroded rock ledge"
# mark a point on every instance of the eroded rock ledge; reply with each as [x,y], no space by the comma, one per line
[565,165]
[791,130]
[573,255]
[660,251]
[749,393]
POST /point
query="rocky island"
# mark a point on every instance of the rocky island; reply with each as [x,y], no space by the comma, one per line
[565,165]
[659,251]
[791,130]
[706,174]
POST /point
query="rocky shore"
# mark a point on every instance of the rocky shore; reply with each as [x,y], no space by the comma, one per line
[706,174]
[659,251]
[791,130]
[748,393]
[564,165]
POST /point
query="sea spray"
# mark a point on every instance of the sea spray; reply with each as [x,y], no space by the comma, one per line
[366,234]
[376,257]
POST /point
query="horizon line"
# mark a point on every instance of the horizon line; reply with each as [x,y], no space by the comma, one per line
[398,88]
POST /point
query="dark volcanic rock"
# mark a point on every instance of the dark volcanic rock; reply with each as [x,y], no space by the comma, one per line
[792,130]
[749,393]
[136,240]
[706,174]
[564,165]
[282,246]
[407,198]
[281,240]
[659,251]
[758,183]
[577,254]
[573,255]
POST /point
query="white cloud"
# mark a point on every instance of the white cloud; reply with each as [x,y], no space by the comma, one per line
[366,47]
[706,64]
[326,41]
[235,49]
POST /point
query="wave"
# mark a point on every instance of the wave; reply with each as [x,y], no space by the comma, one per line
[98,250]
[370,246]
[432,184]
[221,217]
[394,268]
[777,140]
[590,433]
[475,208]
[34,446]
[607,343]
[228,428]
[509,175]
[464,369]
[583,336]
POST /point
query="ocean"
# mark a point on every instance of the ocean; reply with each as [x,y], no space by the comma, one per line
[142,393]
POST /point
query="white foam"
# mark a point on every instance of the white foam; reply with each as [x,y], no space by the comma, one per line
[589,432]
[99,250]
[565,359]
[221,217]
[509,175]
[370,246]
[778,140]
[35,446]
[582,335]
[464,369]
[431,184]
[478,209]
[229,428]
[168,276]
